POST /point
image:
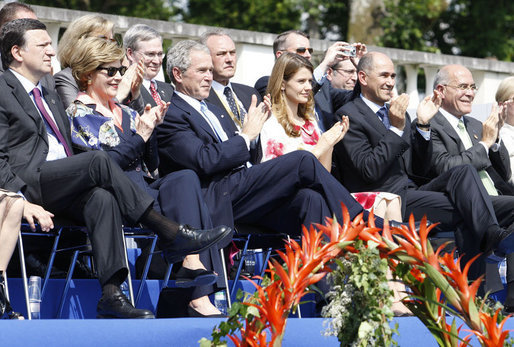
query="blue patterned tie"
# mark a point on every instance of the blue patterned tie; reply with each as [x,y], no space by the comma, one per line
[239,112]
[384,117]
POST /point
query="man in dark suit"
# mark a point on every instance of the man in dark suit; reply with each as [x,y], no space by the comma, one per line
[233,98]
[37,160]
[459,139]
[144,42]
[383,152]
[281,194]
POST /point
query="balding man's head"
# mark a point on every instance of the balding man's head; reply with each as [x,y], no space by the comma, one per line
[456,84]
[376,77]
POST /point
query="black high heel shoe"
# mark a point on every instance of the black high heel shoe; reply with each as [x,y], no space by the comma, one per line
[6,311]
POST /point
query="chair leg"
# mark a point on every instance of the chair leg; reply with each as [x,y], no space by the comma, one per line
[146,269]
[167,275]
[23,276]
[239,267]
[53,252]
[67,284]
[225,276]
[129,277]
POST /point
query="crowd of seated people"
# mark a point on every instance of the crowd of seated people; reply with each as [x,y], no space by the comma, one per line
[192,160]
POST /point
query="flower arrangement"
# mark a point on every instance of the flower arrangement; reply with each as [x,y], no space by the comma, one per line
[436,284]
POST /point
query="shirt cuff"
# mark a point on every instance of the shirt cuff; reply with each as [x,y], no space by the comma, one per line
[319,75]
[396,131]
[247,140]
[493,148]
[424,133]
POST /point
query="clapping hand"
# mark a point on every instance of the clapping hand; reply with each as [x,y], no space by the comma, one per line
[428,107]
[256,117]
[397,111]
[151,117]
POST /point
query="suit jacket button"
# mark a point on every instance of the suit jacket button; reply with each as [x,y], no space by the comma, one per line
[38,169]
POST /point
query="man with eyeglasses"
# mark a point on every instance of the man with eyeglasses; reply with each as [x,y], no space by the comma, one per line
[342,75]
[144,42]
[460,139]
[383,151]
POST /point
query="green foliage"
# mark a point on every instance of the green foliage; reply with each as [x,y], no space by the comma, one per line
[152,9]
[407,24]
[360,300]
[476,28]
[265,15]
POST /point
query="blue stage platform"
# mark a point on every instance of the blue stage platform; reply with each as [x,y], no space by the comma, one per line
[177,332]
[79,328]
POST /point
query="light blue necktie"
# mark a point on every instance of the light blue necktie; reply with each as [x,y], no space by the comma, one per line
[215,125]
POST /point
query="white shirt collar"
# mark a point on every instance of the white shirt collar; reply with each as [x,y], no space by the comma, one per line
[191,101]
[26,83]
[219,88]
[374,107]
[146,83]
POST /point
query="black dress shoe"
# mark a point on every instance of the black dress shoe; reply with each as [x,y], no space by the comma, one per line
[185,278]
[507,310]
[191,241]
[417,224]
[191,312]
[118,306]
[499,244]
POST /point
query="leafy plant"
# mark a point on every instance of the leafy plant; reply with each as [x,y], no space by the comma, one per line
[360,299]
[437,285]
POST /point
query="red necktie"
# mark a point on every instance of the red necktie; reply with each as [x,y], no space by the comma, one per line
[155,95]
[50,121]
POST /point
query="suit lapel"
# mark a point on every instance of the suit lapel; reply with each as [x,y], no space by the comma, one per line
[147,97]
[54,103]
[473,133]
[449,130]
[194,115]
[370,117]
[163,90]
[25,101]
[214,99]
[246,99]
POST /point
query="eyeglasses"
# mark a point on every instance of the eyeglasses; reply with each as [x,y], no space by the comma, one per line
[464,87]
[301,50]
[152,55]
[346,72]
[111,70]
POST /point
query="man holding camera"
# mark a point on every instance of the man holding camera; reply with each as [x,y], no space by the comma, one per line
[327,99]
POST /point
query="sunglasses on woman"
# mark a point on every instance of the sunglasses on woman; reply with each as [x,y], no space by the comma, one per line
[111,70]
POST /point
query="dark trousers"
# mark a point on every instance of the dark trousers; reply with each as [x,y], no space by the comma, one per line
[95,191]
[287,192]
[179,197]
[458,200]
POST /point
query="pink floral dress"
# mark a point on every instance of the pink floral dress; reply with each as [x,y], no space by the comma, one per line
[275,142]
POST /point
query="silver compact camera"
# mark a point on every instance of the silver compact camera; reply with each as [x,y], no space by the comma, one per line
[350,52]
